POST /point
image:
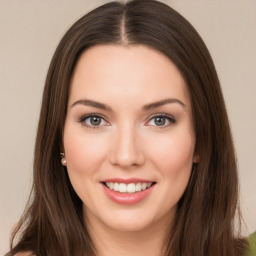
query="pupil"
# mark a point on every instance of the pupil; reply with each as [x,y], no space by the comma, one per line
[160,121]
[95,120]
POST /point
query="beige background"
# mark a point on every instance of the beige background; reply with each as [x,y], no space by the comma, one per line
[29,33]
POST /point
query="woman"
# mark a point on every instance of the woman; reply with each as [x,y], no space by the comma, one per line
[133,105]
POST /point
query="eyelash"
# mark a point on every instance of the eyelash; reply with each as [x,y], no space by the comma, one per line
[83,119]
[170,118]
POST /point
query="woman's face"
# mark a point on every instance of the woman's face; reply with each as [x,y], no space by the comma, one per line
[128,137]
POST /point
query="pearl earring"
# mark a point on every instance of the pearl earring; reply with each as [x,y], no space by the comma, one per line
[63,159]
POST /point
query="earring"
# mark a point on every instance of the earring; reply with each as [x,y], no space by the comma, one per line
[63,159]
[196,159]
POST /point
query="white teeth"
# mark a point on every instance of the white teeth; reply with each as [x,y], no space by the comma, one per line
[144,186]
[128,188]
[131,188]
[110,185]
[138,187]
[116,186]
[122,188]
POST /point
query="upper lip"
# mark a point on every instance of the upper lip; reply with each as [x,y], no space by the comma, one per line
[127,181]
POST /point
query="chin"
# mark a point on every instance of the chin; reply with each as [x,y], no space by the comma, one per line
[132,221]
[128,226]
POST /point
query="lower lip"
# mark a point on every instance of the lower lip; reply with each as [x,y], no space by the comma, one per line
[125,198]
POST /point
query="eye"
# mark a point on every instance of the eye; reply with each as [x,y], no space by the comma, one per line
[93,121]
[161,120]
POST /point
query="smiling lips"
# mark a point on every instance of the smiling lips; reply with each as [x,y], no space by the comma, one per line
[127,191]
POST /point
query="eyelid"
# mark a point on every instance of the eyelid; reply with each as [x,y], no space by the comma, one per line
[170,118]
[84,117]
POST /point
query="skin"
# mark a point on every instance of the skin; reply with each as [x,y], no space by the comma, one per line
[128,143]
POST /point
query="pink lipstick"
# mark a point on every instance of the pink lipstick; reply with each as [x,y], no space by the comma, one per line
[127,191]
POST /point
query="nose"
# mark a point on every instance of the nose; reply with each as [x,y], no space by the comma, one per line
[127,150]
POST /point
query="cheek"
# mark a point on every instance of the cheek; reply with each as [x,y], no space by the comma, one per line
[173,155]
[84,152]
[173,158]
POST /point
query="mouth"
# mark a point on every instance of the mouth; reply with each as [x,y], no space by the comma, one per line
[127,191]
[129,188]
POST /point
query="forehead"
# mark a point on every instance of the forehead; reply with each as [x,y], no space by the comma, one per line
[136,73]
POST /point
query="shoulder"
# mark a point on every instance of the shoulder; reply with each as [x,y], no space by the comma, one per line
[252,245]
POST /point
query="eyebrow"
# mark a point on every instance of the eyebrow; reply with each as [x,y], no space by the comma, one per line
[95,104]
[91,103]
[163,102]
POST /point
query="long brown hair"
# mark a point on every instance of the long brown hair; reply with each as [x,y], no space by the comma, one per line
[52,223]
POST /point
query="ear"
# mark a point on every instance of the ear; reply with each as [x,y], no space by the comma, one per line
[196,159]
